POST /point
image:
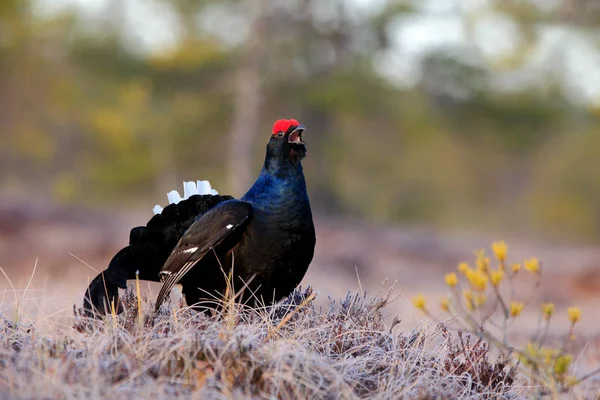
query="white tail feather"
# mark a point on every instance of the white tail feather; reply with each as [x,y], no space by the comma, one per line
[157,209]
[190,188]
[203,187]
[173,197]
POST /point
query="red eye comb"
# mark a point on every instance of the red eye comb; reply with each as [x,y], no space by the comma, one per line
[283,125]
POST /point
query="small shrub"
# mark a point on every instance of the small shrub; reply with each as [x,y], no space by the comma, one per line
[483,297]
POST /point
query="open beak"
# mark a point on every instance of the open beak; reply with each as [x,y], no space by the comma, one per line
[296,136]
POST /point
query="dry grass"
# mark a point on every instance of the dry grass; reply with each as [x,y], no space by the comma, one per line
[288,351]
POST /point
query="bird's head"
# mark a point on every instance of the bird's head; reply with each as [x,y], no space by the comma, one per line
[286,141]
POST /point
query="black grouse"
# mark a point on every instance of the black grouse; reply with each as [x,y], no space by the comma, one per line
[265,240]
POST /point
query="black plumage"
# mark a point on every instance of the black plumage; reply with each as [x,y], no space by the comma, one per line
[149,247]
[265,240]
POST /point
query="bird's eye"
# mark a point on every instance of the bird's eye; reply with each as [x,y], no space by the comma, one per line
[280,134]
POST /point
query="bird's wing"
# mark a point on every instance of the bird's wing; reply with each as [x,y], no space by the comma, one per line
[150,245]
[208,232]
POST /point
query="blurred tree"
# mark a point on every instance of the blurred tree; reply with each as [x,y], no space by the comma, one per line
[492,132]
[247,108]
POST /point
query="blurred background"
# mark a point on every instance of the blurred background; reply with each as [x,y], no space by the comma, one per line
[434,127]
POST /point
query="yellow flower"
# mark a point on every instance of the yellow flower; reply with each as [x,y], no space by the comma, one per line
[562,364]
[529,354]
[482,282]
[571,381]
[451,279]
[496,277]
[445,304]
[532,349]
[574,314]
[419,301]
[515,268]
[516,308]
[463,267]
[500,248]
[483,262]
[523,359]
[548,354]
[532,265]
[468,296]
[477,279]
[471,274]
[547,310]
[486,264]
[480,299]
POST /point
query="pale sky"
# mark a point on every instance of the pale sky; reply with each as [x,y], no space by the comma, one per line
[440,24]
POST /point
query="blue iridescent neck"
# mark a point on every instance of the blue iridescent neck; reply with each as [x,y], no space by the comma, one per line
[278,183]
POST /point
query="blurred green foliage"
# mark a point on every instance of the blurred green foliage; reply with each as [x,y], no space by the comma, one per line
[88,117]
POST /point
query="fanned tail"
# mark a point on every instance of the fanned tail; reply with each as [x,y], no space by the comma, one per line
[150,245]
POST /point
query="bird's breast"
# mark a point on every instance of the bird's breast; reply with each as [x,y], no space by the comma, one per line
[278,240]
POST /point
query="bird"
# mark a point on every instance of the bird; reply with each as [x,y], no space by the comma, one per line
[261,244]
